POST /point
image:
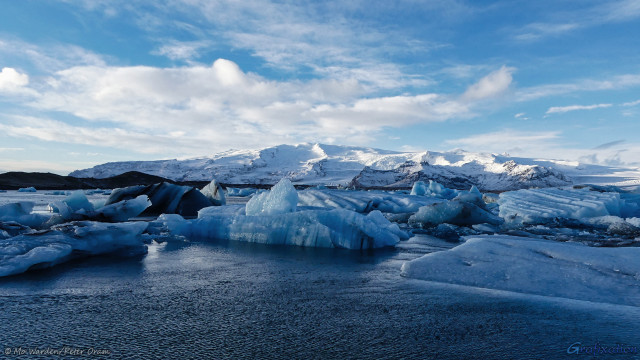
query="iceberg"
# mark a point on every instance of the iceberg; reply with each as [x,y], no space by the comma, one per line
[335,228]
[165,198]
[419,188]
[539,267]
[21,213]
[365,201]
[27,189]
[77,207]
[466,209]
[69,241]
[543,206]
[213,191]
[281,199]
[243,192]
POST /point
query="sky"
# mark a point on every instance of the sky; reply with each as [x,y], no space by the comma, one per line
[84,82]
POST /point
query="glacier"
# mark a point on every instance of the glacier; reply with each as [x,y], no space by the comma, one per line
[537,267]
[321,164]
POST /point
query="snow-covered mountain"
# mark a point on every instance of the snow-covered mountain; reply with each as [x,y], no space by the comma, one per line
[369,167]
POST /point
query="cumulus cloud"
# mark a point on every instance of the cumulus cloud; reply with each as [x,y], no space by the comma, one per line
[13,82]
[199,108]
[491,85]
[564,109]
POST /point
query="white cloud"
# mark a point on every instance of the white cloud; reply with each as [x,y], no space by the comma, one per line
[613,83]
[549,145]
[577,18]
[182,50]
[632,103]
[563,109]
[197,109]
[505,140]
[491,85]
[13,82]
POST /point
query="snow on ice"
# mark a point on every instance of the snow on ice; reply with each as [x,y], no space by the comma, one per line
[539,267]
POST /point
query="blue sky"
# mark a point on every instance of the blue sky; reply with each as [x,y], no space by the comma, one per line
[84,82]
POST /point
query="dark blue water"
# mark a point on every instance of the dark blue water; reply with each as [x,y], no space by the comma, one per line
[236,300]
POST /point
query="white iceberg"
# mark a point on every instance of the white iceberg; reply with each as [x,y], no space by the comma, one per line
[539,267]
[365,201]
[27,189]
[69,241]
[281,199]
[213,191]
[541,206]
[312,228]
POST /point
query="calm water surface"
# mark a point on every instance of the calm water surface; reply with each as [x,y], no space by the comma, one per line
[233,300]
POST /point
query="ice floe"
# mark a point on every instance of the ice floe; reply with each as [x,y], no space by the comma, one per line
[533,266]
[69,241]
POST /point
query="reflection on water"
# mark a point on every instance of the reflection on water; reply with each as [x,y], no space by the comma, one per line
[241,300]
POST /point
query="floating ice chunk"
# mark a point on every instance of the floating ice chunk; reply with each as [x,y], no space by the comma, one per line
[165,198]
[457,212]
[227,210]
[419,188]
[65,242]
[539,267]
[540,206]
[123,210]
[77,207]
[281,199]
[58,192]
[76,202]
[21,213]
[27,189]
[241,192]
[314,228]
[213,191]
[438,190]
[365,201]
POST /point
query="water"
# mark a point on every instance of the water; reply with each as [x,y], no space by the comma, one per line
[236,300]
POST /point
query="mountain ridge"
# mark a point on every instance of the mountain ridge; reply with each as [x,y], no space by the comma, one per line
[367,167]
